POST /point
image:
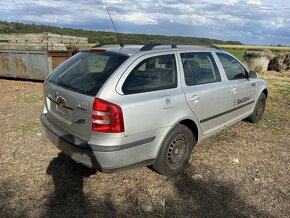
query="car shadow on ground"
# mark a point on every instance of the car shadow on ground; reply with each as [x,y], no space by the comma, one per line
[193,198]
[68,198]
[211,198]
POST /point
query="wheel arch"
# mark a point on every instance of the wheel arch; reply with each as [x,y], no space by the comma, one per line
[159,164]
[192,126]
[265,91]
[189,123]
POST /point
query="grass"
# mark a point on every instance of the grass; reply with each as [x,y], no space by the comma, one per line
[257,47]
[238,53]
[36,180]
[29,98]
[279,106]
[239,50]
[26,127]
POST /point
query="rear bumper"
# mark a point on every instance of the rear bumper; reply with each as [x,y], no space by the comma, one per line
[104,158]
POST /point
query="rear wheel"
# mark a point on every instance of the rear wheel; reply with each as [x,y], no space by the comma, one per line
[175,151]
[258,112]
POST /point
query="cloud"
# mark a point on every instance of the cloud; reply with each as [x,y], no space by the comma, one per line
[277,23]
[250,21]
[254,2]
[139,18]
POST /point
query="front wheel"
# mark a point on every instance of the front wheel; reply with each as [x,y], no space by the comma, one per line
[258,112]
[175,151]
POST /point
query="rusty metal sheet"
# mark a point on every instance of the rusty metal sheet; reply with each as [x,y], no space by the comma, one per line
[19,65]
[4,64]
[38,65]
[24,64]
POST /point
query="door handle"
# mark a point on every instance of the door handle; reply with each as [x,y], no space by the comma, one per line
[253,84]
[233,90]
[194,98]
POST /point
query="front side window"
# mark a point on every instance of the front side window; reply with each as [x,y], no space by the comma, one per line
[199,68]
[86,72]
[151,74]
[233,69]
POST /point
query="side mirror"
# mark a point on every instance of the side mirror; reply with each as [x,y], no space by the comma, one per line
[253,75]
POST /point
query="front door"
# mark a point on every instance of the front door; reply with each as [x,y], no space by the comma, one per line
[241,89]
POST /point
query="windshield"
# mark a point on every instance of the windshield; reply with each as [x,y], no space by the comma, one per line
[86,72]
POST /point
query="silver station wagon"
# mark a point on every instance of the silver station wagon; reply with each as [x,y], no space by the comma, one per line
[113,107]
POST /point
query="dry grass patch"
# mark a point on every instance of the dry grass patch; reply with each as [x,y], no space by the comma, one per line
[241,172]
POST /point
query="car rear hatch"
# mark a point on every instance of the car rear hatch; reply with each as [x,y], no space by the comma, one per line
[70,89]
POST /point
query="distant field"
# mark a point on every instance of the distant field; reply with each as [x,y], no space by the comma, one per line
[239,50]
[256,47]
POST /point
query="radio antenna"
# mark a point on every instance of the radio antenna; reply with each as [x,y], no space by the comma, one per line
[121,43]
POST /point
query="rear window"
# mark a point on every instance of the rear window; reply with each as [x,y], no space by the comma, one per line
[152,74]
[86,72]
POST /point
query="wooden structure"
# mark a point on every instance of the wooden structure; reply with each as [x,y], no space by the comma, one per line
[33,56]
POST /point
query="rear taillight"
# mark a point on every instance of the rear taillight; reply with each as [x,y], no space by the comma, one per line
[107,117]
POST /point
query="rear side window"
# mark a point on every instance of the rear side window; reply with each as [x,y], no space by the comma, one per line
[155,73]
[233,69]
[199,68]
[86,72]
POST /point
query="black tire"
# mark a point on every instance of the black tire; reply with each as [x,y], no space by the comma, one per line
[258,112]
[175,151]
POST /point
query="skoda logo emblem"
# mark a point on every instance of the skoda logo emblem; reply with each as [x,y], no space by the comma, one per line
[61,101]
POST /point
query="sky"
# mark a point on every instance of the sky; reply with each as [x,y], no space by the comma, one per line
[261,22]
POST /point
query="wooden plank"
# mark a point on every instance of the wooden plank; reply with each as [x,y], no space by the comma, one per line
[42,37]
[28,37]
[83,40]
[23,46]
[56,47]
[41,41]
[33,46]
[54,38]
[69,39]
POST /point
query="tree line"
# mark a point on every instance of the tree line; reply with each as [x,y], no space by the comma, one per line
[105,37]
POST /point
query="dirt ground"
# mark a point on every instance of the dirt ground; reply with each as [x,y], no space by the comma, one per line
[244,171]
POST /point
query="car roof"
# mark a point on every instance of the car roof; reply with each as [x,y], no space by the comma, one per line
[147,48]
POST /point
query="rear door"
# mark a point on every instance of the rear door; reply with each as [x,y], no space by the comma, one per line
[151,97]
[242,91]
[206,93]
[71,89]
